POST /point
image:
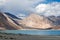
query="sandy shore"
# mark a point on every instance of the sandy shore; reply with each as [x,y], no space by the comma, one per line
[5,36]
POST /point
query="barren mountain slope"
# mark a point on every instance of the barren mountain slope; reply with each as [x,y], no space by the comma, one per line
[7,23]
[36,21]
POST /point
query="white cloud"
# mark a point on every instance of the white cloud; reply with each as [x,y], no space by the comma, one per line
[2,2]
[49,9]
[14,5]
[19,6]
[41,8]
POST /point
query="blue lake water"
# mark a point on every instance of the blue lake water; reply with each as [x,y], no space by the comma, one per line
[34,32]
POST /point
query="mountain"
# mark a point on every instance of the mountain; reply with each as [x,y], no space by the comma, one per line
[11,15]
[7,23]
[35,21]
[32,21]
[55,20]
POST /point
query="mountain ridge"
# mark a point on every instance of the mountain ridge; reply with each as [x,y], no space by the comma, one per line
[33,21]
[7,22]
[36,21]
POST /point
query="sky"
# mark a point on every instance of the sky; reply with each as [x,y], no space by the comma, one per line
[22,8]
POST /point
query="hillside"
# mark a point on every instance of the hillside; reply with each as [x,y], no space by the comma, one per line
[7,23]
[36,21]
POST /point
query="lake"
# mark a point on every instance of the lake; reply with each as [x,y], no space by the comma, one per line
[33,32]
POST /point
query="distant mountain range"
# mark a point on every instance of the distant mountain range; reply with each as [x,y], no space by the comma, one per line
[33,21]
[55,20]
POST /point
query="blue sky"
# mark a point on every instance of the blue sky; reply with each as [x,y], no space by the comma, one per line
[26,7]
[54,0]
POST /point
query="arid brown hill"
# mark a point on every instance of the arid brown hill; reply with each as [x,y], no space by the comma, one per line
[33,21]
[36,22]
[6,23]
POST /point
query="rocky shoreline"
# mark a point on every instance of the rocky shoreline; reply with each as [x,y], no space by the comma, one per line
[6,36]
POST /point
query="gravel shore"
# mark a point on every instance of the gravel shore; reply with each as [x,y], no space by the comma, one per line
[6,36]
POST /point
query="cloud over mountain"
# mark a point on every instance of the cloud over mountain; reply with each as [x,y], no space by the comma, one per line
[17,7]
[49,9]
[26,7]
